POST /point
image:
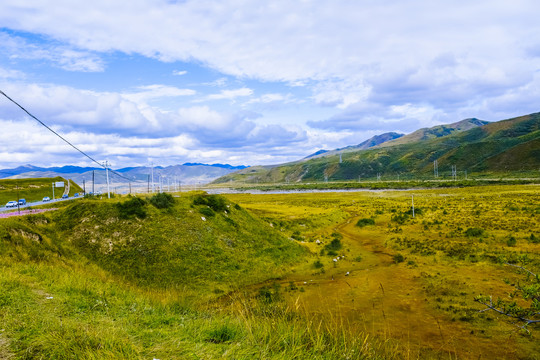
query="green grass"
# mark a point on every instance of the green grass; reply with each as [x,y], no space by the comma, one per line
[158,291]
[33,189]
[125,279]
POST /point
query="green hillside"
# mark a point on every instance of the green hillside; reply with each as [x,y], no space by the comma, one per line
[202,243]
[494,148]
[33,189]
[436,132]
[140,279]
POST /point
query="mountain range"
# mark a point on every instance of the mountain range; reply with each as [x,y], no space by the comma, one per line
[187,173]
[471,145]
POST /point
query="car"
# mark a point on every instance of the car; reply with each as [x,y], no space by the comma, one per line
[76,195]
[65,196]
[22,201]
[11,204]
[46,198]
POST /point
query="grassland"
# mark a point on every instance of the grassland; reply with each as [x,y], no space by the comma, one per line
[414,279]
[253,276]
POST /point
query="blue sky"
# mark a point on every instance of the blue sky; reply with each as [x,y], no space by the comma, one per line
[250,82]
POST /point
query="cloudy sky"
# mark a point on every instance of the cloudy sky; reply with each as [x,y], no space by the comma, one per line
[253,82]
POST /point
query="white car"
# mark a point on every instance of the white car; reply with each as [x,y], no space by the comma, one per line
[46,198]
[12,204]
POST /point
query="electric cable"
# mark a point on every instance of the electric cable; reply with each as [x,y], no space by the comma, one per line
[60,136]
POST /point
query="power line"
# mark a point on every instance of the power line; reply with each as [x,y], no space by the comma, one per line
[60,136]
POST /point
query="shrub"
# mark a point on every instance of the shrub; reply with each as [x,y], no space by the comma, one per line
[206,211]
[534,239]
[318,264]
[133,207]
[398,258]
[335,245]
[270,294]
[511,241]
[365,222]
[215,202]
[162,200]
[474,232]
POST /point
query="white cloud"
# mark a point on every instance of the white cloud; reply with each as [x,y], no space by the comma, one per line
[377,65]
[150,92]
[11,74]
[230,94]
[60,55]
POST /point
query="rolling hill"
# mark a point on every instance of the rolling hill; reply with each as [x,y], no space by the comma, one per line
[473,146]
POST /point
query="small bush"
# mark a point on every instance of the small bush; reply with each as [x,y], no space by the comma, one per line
[534,239]
[162,200]
[511,241]
[206,211]
[269,294]
[398,258]
[474,232]
[215,202]
[365,222]
[318,264]
[133,207]
[335,245]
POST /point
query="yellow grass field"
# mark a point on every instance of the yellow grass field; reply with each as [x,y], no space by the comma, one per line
[413,281]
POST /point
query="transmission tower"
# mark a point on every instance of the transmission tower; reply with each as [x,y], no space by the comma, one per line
[436,169]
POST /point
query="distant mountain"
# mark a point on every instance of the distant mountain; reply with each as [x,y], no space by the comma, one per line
[190,173]
[436,132]
[470,145]
[320,152]
[223,166]
[69,169]
[373,141]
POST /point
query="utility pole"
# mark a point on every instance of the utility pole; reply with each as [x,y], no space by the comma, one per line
[84,187]
[93,182]
[412,202]
[18,200]
[149,184]
[107,174]
[340,159]
[152,177]
[53,190]
[436,169]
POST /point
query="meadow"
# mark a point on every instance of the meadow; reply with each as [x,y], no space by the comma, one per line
[274,276]
[376,269]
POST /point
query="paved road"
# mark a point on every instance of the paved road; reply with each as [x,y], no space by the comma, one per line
[36,203]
